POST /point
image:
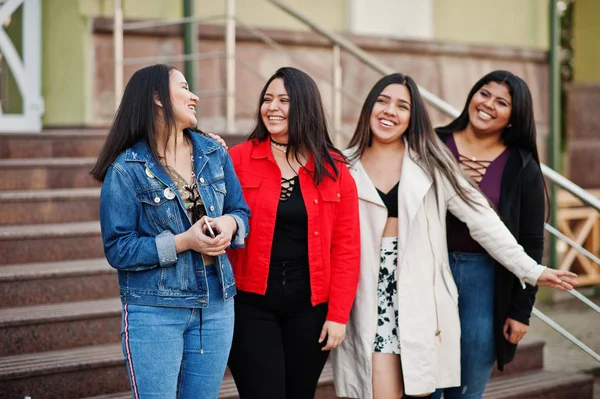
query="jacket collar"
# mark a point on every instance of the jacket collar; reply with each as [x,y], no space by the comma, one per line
[365,187]
[140,151]
[414,183]
[262,150]
[202,146]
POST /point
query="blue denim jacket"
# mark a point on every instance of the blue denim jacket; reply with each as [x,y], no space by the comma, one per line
[139,224]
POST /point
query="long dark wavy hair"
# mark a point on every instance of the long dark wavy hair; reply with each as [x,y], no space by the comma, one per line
[307,125]
[138,116]
[433,153]
[520,131]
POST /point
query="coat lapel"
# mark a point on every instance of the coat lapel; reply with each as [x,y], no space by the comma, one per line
[365,187]
[414,185]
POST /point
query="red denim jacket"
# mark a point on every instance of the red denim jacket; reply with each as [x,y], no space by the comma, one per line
[333,228]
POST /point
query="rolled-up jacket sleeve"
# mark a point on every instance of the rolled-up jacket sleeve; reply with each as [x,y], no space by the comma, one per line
[120,212]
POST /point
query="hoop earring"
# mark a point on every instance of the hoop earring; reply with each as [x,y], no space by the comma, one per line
[509,126]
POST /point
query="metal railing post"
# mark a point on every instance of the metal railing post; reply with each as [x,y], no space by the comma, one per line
[554,115]
[336,96]
[190,35]
[230,65]
[118,51]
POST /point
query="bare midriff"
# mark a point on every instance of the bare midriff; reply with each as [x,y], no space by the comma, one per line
[391,227]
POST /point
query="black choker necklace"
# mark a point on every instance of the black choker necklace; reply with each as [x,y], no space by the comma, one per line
[278,144]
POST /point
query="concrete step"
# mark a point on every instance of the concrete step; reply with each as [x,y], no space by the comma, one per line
[46,173]
[50,242]
[61,143]
[529,357]
[31,284]
[65,374]
[541,385]
[41,328]
[49,206]
[94,371]
[50,143]
[325,388]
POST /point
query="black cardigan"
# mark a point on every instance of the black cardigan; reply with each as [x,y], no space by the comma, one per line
[521,208]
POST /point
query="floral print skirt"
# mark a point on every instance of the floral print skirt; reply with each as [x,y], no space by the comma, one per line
[386,337]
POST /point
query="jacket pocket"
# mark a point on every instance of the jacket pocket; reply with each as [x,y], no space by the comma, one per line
[330,195]
[449,282]
[250,187]
[159,209]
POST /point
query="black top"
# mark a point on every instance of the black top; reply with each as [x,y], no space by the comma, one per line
[290,241]
[522,209]
[390,200]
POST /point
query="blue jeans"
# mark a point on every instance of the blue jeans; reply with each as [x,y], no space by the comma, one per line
[178,352]
[474,277]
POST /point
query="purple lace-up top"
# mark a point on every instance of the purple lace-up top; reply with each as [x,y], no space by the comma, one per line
[488,174]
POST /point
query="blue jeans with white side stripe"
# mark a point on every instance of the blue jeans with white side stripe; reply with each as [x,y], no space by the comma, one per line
[174,352]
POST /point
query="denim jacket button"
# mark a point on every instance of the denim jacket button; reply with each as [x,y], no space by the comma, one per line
[149,173]
[202,180]
[156,199]
[212,208]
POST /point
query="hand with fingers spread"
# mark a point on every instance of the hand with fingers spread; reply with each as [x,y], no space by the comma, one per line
[334,332]
[197,239]
[514,331]
[218,139]
[558,279]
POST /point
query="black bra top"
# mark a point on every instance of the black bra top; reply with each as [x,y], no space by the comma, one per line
[390,200]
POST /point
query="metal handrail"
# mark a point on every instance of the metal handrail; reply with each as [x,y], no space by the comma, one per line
[174,58]
[585,300]
[276,46]
[431,98]
[365,57]
[554,231]
[339,43]
[447,109]
[566,334]
[169,22]
[571,187]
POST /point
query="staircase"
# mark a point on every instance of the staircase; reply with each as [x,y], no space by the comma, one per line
[59,305]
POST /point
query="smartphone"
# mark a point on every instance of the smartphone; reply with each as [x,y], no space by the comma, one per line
[209,229]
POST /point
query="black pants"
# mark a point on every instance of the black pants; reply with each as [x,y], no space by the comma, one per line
[275,352]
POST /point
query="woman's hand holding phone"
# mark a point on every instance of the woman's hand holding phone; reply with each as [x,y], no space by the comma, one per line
[223,225]
[198,238]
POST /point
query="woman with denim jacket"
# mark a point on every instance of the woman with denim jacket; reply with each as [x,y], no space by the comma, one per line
[164,184]
[494,141]
[297,274]
[403,335]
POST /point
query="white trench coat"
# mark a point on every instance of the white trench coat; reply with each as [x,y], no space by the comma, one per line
[429,326]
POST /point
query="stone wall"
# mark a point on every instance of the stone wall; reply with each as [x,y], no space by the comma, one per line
[583,134]
[446,69]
